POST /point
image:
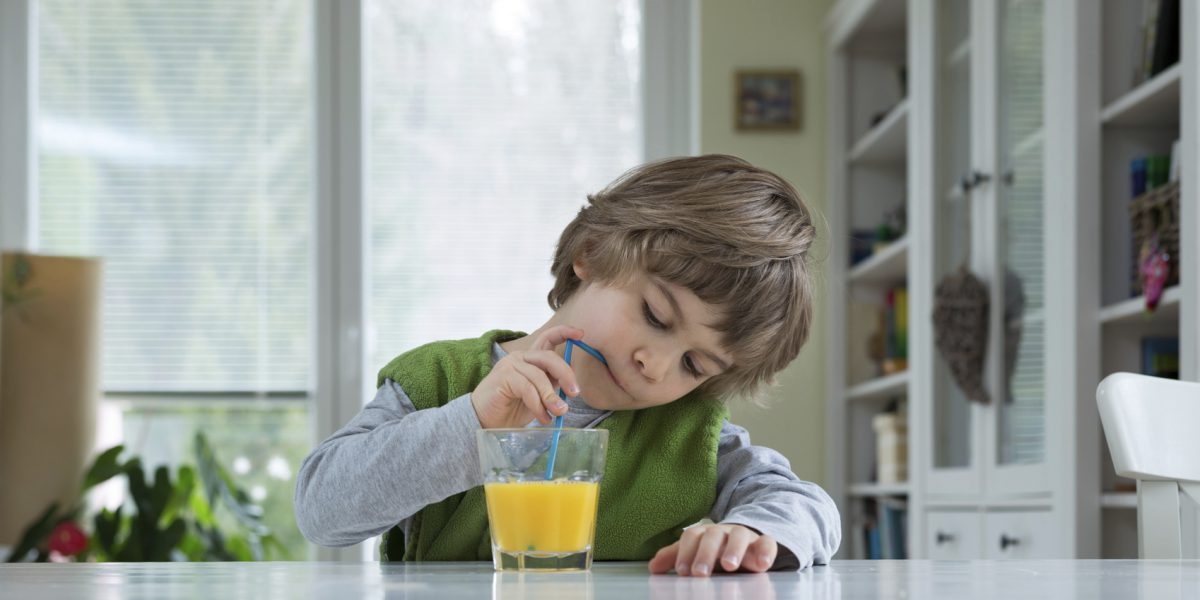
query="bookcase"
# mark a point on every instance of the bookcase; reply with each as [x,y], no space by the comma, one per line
[1001,137]
[868,378]
[1142,114]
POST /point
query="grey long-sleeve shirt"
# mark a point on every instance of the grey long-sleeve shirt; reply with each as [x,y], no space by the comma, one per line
[360,482]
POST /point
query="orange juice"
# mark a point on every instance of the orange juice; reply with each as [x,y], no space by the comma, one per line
[542,516]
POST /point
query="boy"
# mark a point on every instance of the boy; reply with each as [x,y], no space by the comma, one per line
[691,276]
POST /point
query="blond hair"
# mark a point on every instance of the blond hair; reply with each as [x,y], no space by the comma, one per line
[735,235]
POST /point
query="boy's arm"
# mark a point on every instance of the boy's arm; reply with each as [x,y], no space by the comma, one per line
[757,489]
[387,463]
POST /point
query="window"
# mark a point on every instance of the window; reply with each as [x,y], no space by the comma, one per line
[488,123]
[174,139]
[183,143]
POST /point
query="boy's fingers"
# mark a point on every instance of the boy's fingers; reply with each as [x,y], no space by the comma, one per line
[761,554]
[708,550]
[555,336]
[688,543]
[557,368]
[528,395]
[664,560]
[547,398]
[739,540]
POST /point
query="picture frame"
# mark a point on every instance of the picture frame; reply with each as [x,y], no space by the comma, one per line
[767,100]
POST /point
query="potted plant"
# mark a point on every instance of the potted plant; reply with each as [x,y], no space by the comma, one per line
[198,513]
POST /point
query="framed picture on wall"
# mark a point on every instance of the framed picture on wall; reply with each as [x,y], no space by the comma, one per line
[767,100]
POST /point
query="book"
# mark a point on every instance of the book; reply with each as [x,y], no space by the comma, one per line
[1158,169]
[886,532]
[1166,37]
[893,517]
[900,314]
[1160,357]
[1149,33]
[1137,177]
[1173,170]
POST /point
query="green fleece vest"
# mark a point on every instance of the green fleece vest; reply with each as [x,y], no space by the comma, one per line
[660,472]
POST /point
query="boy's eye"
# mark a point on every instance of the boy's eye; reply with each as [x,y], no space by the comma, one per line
[650,318]
[690,366]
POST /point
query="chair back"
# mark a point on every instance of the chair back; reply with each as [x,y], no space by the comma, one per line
[1153,431]
[1152,425]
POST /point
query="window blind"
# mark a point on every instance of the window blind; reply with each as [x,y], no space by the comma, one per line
[489,122]
[175,141]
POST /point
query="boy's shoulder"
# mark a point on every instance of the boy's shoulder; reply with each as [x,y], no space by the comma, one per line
[444,359]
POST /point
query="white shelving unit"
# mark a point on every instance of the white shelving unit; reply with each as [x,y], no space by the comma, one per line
[886,265]
[870,135]
[881,388]
[890,145]
[1137,119]
[885,143]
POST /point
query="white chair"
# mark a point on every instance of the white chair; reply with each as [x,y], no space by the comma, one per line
[1153,431]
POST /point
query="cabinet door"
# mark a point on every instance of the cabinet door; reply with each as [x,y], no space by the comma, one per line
[1020,534]
[953,462]
[1016,360]
[952,535]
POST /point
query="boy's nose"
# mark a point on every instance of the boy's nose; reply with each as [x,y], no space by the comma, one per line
[652,365]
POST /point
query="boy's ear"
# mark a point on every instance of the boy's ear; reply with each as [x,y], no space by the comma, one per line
[581,270]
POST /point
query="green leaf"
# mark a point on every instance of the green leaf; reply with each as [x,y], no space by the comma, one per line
[193,547]
[216,545]
[138,492]
[185,485]
[105,467]
[160,494]
[36,533]
[170,537]
[132,550]
[218,484]
[206,463]
[239,548]
[275,548]
[106,524]
[201,508]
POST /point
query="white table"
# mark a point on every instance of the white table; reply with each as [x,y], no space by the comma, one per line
[1160,580]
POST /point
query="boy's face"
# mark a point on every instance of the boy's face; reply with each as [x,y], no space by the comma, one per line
[656,337]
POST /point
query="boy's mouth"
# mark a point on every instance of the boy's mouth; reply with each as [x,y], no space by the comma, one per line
[616,381]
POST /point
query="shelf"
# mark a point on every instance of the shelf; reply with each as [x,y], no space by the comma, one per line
[886,143]
[1133,310]
[886,266]
[1155,103]
[881,388]
[878,489]
[850,19]
[1118,500]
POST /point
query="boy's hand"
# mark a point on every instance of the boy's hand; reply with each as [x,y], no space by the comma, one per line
[727,547]
[524,384]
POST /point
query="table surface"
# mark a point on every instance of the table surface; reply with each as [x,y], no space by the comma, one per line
[1161,580]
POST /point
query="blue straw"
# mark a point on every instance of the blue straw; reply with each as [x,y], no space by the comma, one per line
[558,421]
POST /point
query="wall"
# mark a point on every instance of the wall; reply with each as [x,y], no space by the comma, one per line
[776,34]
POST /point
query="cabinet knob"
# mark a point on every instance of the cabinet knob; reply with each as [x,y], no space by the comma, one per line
[972,180]
[942,537]
[1006,541]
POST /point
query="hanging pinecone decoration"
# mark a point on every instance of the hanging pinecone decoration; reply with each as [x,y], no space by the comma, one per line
[960,329]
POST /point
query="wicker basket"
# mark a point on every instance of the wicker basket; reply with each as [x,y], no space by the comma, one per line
[1155,212]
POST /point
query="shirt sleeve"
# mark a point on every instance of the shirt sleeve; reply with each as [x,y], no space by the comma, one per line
[757,489]
[386,464]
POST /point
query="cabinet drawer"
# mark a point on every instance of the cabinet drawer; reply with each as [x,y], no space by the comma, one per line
[952,534]
[1021,534]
